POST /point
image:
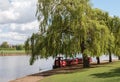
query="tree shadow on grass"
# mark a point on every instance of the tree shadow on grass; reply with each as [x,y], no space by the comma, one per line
[64,70]
[69,69]
[112,73]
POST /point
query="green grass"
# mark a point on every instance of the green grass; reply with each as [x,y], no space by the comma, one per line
[11,52]
[105,73]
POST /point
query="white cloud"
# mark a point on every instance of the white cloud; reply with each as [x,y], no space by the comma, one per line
[18,32]
[29,26]
[17,20]
[0,30]
[4,4]
[19,11]
[13,26]
[9,15]
[13,35]
[25,28]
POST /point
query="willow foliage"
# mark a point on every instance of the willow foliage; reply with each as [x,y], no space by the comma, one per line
[64,24]
[116,32]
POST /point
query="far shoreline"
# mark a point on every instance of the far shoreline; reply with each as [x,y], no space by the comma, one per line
[14,54]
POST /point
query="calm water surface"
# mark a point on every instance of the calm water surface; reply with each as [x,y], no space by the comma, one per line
[12,67]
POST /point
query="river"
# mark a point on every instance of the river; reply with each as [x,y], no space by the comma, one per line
[13,67]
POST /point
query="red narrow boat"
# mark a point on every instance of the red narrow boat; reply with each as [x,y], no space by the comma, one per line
[60,62]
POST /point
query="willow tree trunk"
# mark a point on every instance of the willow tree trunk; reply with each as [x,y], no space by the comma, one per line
[118,57]
[98,60]
[110,57]
[86,62]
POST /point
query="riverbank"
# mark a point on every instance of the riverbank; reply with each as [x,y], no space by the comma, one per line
[29,79]
[38,77]
[12,52]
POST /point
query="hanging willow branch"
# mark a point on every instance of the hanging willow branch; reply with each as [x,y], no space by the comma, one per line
[64,25]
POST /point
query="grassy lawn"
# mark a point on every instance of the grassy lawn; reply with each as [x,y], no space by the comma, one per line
[9,52]
[103,73]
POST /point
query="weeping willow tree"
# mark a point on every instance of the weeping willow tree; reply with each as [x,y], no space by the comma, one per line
[115,23]
[108,21]
[58,25]
[105,19]
[55,29]
[97,39]
[67,27]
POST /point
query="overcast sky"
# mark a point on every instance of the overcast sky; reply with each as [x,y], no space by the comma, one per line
[18,21]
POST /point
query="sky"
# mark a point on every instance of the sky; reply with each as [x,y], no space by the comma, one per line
[111,6]
[18,21]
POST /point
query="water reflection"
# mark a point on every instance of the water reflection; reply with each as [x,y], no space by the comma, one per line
[12,67]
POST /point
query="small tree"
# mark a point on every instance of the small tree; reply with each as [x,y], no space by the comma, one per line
[5,45]
[19,47]
[116,32]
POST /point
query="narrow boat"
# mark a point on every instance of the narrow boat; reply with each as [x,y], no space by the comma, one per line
[60,62]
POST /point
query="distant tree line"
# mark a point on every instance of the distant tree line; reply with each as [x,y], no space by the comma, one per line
[6,46]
